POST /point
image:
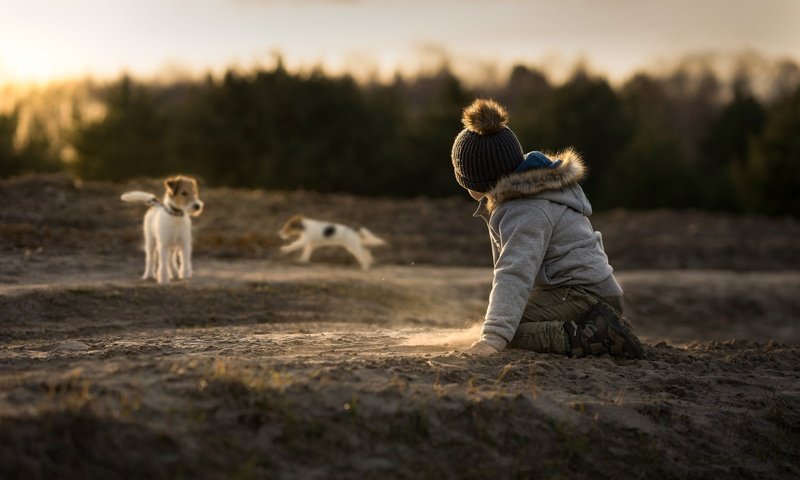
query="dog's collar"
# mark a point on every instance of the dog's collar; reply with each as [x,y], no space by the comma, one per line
[175,212]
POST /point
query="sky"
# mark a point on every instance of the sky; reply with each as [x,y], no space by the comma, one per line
[43,40]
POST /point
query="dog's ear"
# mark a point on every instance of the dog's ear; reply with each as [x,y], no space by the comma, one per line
[297,222]
[172,185]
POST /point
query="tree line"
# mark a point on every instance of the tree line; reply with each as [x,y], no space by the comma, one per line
[676,140]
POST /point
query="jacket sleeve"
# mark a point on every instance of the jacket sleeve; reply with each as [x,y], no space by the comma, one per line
[524,235]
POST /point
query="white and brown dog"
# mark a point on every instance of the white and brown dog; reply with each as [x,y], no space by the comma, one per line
[168,228]
[314,233]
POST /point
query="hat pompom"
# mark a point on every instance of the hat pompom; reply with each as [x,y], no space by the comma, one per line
[484,117]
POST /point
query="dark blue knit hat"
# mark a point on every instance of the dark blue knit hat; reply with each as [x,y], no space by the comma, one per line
[486,150]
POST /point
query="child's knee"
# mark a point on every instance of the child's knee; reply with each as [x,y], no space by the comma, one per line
[541,337]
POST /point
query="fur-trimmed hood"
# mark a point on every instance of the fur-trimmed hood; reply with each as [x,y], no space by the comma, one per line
[559,184]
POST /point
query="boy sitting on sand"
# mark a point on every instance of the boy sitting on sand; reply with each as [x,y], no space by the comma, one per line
[553,289]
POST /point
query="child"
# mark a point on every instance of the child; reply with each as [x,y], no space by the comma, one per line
[553,289]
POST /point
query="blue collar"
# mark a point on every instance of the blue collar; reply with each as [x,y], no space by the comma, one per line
[536,159]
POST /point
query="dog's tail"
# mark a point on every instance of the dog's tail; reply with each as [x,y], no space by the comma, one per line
[140,197]
[369,239]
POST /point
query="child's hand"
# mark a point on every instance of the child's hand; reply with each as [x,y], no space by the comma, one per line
[479,349]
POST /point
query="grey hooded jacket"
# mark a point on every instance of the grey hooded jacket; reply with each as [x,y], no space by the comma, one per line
[541,237]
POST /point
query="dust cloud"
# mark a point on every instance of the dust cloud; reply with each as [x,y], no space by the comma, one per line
[449,337]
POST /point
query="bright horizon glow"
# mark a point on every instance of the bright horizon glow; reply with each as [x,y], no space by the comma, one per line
[47,40]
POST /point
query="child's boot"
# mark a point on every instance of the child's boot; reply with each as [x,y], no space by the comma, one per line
[602,331]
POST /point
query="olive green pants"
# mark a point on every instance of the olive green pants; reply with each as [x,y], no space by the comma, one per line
[541,328]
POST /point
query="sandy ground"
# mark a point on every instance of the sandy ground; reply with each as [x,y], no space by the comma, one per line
[261,368]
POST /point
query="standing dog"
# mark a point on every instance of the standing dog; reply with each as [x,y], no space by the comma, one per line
[314,233]
[168,228]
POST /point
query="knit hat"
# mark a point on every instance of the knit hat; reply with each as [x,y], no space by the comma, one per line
[486,150]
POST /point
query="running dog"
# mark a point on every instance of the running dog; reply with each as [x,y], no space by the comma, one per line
[314,233]
[168,228]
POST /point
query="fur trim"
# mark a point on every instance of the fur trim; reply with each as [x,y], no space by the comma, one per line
[484,117]
[532,182]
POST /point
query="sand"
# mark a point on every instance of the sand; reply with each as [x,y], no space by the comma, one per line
[262,368]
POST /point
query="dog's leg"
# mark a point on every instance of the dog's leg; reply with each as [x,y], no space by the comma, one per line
[149,252]
[186,260]
[305,257]
[164,260]
[154,263]
[363,255]
[294,246]
[178,263]
[174,263]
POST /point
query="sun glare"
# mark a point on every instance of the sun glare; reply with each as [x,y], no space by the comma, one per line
[31,62]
